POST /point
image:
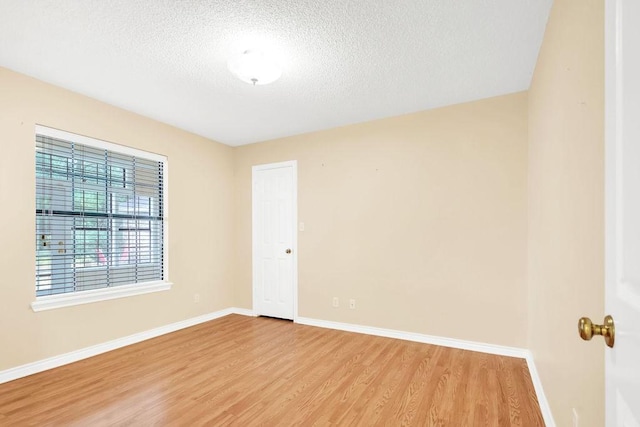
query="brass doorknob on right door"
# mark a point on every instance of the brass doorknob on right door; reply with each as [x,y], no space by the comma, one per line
[288,251]
[587,329]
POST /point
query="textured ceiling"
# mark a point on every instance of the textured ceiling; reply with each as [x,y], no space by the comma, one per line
[343,61]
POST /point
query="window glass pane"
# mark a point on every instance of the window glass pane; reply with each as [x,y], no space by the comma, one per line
[51,166]
[59,167]
[91,242]
[43,254]
[89,201]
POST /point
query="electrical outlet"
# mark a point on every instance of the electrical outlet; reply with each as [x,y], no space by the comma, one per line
[336,302]
[575,419]
[352,304]
[196,298]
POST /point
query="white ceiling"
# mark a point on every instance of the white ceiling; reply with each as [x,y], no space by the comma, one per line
[344,61]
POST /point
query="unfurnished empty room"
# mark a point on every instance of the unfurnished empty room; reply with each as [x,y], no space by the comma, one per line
[345,213]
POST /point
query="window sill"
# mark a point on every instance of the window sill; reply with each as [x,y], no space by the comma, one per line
[51,302]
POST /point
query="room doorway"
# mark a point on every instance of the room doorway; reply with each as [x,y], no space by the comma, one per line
[275,255]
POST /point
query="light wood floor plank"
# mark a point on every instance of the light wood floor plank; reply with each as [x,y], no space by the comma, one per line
[257,371]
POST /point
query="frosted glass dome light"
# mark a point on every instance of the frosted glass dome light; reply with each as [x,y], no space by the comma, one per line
[254,67]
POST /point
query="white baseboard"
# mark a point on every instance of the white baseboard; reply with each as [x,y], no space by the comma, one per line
[411,336]
[542,398]
[64,359]
[243,311]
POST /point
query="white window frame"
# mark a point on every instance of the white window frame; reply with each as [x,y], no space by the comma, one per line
[50,302]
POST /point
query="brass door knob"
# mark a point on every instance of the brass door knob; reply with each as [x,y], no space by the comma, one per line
[288,251]
[587,329]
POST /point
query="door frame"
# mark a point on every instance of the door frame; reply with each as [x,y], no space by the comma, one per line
[294,232]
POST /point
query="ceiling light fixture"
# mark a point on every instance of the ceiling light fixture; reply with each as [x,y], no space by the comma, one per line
[254,67]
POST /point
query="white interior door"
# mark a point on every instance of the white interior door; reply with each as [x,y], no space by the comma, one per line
[622,46]
[274,240]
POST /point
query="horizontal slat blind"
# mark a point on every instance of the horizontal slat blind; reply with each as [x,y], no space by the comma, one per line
[99,217]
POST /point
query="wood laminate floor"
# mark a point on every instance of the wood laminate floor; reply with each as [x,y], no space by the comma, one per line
[248,371]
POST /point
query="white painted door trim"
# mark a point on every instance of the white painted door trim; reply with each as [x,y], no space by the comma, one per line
[294,165]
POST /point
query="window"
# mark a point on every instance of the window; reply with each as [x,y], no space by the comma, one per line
[99,216]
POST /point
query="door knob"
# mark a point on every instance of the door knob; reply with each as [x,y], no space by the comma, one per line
[587,329]
[288,251]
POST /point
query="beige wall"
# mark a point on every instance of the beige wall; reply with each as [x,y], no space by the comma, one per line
[200,214]
[566,203]
[420,218]
[433,238]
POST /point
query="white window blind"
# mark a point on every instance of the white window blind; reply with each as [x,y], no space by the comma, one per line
[99,215]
